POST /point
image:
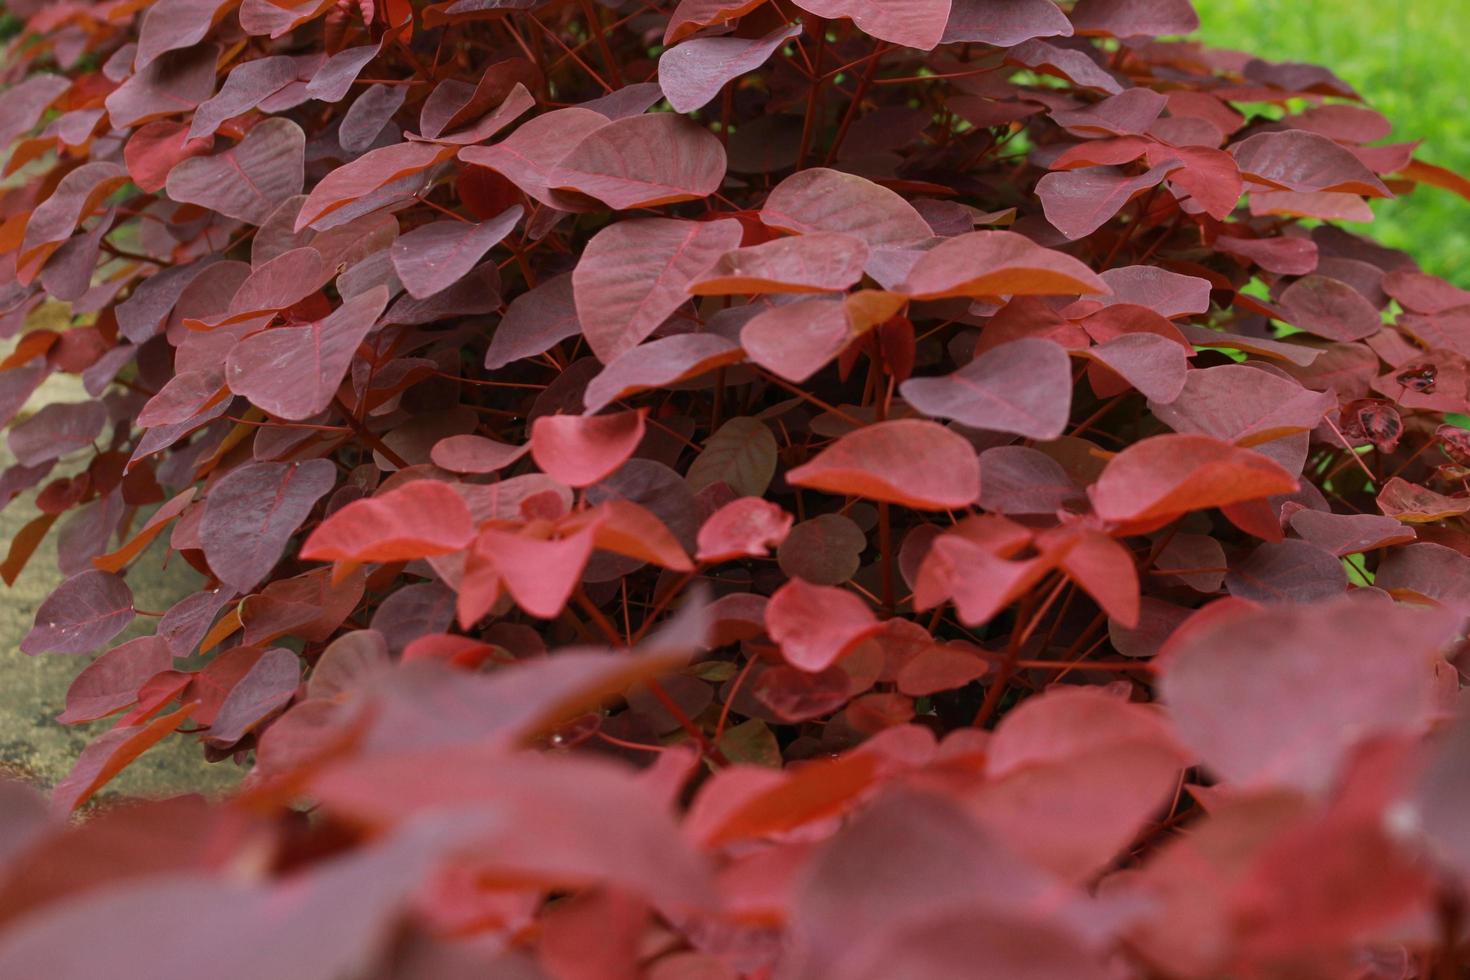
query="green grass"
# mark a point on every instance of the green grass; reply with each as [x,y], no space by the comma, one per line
[1409,60]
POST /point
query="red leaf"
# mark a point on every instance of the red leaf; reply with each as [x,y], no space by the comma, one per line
[1135,18]
[111,682]
[939,668]
[1004,24]
[1349,534]
[549,838]
[175,82]
[536,320]
[796,695]
[1156,366]
[1330,308]
[1286,572]
[474,454]
[419,519]
[530,155]
[1079,202]
[268,685]
[815,263]
[109,755]
[79,193]
[796,340]
[539,574]
[799,797]
[156,148]
[250,85]
[818,199]
[369,172]
[910,23]
[1168,294]
[910,462]
[1414,504]
[1246,405]
[1296,160]
[1163,477]
[816,624]
[659,364]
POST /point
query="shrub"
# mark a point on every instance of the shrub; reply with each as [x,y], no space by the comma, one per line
[979,507]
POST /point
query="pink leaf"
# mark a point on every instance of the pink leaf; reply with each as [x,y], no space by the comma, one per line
[580,450]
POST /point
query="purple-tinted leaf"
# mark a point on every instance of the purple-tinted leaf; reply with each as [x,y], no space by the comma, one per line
[1135,18]
[434,257]
[293,372]
[537,320]
[251,514]
[247,86]
[1078,202]
[112,680]
[1022,387]
[372,111]
[57,429]
[1169,294]
[910,23]
[1019,480]
[82,614]
[268,685]
[659,364]
[1296,160]
[172,83]
[634,274]
[691,74]
[643,161]
[1004,23]
[334,81]
[249,180]
[24,103]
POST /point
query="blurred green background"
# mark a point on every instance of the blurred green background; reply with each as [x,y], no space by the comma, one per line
[1408,58]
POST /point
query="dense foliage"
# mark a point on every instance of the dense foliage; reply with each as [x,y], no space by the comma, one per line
[944,494]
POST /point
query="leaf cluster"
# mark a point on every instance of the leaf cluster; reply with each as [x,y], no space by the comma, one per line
[732,488]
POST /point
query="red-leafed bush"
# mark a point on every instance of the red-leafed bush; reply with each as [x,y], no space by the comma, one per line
[943,500]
